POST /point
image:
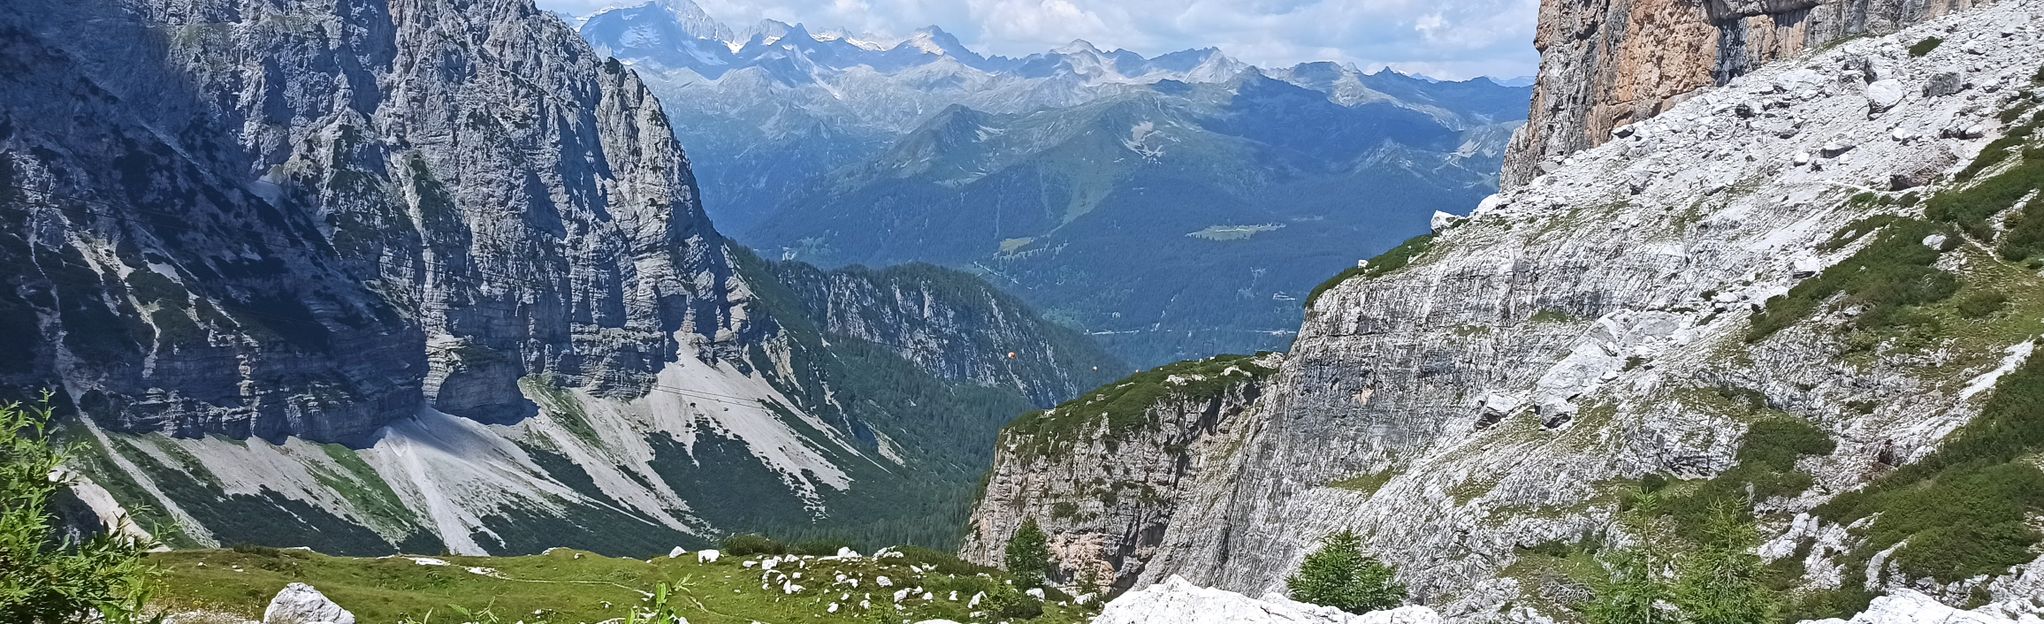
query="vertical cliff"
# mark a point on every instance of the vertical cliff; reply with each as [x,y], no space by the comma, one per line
[1104,474]
[1607,63]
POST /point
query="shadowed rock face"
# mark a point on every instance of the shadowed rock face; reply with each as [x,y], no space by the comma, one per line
[308,218]
[1607,63]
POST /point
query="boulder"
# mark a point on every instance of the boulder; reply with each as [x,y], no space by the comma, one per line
[299,603]
[1923,169]
[1444,220]
[1943,84]
[1910,607]
[1177,601]
[1884,94]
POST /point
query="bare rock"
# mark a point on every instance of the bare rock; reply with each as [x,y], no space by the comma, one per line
[299,603]
[1884,94]
[1943,84]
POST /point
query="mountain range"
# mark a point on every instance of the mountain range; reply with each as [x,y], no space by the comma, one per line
[1172,206]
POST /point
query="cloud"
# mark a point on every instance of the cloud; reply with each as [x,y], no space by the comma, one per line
[1443,38]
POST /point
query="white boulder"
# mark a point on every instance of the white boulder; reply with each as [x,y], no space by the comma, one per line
[1910,607]
[299,603]
[1444,220]
[1884,94]
[1180,602]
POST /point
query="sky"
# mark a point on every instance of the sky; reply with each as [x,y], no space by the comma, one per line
[1440,38]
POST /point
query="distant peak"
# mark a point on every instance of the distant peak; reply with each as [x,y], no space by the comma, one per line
[1077,46]
[934,40]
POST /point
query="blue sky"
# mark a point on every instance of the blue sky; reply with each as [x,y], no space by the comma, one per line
[1442,38]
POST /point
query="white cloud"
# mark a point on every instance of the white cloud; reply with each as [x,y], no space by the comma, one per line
[1444,38]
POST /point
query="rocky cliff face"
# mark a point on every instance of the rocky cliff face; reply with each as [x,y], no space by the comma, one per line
[1105,473]
[1808,292]
[293,181]
[951,325]
[448,266]
[1608,63]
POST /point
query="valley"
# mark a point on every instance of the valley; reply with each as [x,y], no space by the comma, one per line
[407,311]
[1088,182]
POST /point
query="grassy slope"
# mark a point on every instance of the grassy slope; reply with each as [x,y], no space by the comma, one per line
[560,587]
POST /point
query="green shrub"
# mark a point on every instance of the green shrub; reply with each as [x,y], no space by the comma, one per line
[1889,278]
[819,547]
[1125,404]
[46,578]
[1981,305]
[1925,46]
[1723,581]
[753,544]
[942,562]
[1339,575]
[1395,259]
[1064,509]
[1765,468]
[1633,593]
[1006,602]
[1965,508]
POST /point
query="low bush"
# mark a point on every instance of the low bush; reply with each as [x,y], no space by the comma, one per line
[1887,279]
[753,544]
[1925,46]
[1396,258]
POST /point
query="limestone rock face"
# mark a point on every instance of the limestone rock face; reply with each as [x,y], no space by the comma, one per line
[1608,63]
[1104,493]
[327,215]
[1179,602]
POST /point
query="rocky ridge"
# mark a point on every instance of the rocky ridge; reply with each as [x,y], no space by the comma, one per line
[1647,308]
[1610,63]
[951,325]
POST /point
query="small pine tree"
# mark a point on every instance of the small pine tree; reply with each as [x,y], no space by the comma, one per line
[45,579]
[1723,582]
[1339,575]
[1635,591]
[1029,555]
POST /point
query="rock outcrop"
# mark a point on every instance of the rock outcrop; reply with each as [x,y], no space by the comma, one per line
[299,603]
[1654,309]
[1608,63]
[1176,601]
[1104,474]
[1910,607]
